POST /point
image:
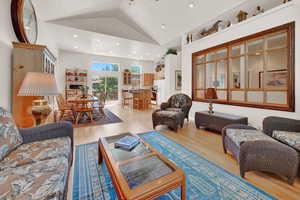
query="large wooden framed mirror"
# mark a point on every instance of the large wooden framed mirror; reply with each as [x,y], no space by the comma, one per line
[254,71]
[24,21]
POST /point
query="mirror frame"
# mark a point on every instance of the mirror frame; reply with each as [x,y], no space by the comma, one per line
[17,8]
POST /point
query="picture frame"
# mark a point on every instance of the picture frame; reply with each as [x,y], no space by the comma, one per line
[178,79]
[274,79]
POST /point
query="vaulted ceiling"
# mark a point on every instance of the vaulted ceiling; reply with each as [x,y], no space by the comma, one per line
[160,22]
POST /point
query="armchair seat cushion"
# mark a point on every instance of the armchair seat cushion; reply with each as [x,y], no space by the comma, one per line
[37,151]
[10,137]
[42,180]
[290,138]
[174,109]
[239,136]
[167,114]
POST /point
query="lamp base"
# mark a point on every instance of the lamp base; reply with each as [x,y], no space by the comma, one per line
[40,111]
[210,108]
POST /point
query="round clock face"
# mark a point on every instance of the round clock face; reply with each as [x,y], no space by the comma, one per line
[29,22]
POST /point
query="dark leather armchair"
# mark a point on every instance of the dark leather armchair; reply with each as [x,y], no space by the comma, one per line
[178,102]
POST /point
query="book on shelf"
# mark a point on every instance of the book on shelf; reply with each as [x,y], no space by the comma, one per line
[127,142]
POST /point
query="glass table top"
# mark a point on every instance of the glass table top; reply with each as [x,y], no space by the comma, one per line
[121,154]
[139,172]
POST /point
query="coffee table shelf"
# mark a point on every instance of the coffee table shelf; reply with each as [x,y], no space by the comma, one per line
[142,173]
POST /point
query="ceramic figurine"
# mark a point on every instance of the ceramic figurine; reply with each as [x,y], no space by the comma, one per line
[242,16]
[258,11]
[213,29]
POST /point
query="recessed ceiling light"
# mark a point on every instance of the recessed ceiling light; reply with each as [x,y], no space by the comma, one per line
[118,44]
[163,26]
[75,47]
[192,4]
[134,52]
[110,51]
[75,36]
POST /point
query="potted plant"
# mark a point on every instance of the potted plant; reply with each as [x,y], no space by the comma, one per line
[171,51]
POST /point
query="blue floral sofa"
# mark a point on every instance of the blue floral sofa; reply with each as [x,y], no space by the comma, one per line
[35,162]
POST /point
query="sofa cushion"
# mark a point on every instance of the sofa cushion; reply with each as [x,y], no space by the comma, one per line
[10,137]
[239,136]
[37,151]
[290,138]
[42,180]
[168,114]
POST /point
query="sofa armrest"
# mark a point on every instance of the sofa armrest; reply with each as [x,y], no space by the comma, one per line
[164,106]
[48,131]
[269,156]
[186,108]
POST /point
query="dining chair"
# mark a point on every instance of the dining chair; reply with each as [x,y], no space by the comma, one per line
[64,108]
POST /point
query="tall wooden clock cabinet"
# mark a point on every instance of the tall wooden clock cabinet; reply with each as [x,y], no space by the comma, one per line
[27,58]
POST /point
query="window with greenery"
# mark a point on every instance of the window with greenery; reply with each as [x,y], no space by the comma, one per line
[255,71]
[99,66]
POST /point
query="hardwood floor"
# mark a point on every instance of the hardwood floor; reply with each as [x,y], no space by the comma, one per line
[206,144]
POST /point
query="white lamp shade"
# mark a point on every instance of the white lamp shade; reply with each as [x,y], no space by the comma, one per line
[38,84]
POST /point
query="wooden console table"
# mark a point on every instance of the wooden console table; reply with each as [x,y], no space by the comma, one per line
[217,121]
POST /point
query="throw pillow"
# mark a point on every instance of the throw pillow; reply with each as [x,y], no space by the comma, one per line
[10,137]
[290,138]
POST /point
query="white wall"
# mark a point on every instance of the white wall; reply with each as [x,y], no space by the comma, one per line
[268,20]
[68,59]
[166,87]
[7,36]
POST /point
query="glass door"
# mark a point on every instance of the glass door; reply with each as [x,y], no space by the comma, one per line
[107,84]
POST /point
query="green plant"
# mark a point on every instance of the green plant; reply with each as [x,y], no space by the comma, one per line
[171,51]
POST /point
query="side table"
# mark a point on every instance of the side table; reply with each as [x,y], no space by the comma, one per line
[217,121]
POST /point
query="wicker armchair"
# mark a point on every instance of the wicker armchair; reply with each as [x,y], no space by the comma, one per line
[178,102]
[262,155]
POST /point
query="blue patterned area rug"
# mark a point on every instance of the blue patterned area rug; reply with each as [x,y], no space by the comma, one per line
[205,180]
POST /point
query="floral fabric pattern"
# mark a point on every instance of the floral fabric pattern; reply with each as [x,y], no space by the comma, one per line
[239,136]
[10,137]
[178,101]
[39,181]
[37,151]
[290,138]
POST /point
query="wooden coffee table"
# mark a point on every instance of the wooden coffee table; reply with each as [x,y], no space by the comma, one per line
[142,173]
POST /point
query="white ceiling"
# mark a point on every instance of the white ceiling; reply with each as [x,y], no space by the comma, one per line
[100,44]
[139,24]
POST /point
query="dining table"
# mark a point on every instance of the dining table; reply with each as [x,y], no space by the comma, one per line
[83,106]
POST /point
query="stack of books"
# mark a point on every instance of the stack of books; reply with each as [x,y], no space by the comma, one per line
[127,142]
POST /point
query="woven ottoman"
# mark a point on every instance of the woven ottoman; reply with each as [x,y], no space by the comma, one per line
[172,119]
[256,152]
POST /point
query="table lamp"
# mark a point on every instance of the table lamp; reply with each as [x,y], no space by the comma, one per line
[39,85]
[211,94]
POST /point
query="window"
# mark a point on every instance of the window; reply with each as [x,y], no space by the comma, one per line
[98,66]
[136,69]
[255,71]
